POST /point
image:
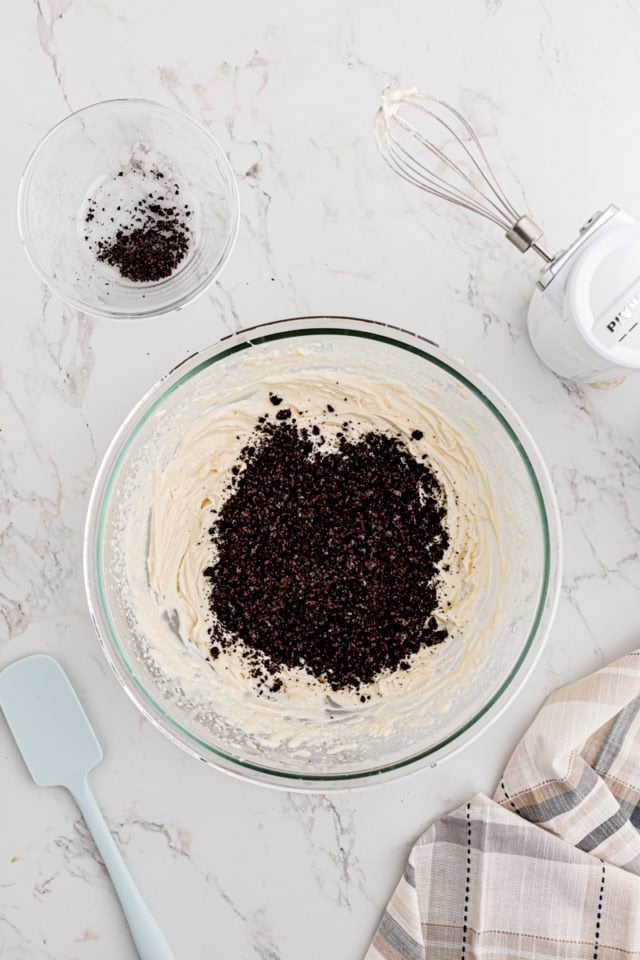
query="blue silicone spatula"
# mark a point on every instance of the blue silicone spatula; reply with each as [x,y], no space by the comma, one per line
[60,748]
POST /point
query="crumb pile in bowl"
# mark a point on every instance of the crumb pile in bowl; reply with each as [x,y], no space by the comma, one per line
[137,222]
[326,554]
[319,555]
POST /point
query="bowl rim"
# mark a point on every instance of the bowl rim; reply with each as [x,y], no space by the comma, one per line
[392,336]
[102,312]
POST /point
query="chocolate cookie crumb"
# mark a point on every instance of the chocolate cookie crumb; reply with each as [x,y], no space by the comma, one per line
[327,560]
[148,253]
[417,434]
[147,241]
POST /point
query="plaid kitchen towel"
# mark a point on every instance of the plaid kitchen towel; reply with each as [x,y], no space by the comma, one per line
[551,866]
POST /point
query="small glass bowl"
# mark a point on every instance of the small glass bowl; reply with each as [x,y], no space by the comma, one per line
[120,150]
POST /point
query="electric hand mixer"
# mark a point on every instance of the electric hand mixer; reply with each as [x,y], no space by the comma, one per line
[584,316]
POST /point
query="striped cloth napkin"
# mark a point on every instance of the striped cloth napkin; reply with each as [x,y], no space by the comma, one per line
[551,866]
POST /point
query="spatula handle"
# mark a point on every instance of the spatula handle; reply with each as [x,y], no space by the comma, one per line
[147,935]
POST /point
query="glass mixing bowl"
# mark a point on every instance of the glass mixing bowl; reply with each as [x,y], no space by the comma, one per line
[78,163]
[351,748]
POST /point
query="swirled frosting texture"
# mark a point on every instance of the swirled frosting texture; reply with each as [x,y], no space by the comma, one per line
[168,548]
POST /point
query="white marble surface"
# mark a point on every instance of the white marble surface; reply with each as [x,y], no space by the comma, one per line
[234,870]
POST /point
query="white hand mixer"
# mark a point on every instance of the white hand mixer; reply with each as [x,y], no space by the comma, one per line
[584,315]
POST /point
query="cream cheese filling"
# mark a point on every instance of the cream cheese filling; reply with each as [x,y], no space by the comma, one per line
[168,547]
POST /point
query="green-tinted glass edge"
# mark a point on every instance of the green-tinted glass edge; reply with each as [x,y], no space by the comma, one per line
[367,335]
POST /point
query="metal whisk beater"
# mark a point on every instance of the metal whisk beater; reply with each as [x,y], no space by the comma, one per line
[471,184]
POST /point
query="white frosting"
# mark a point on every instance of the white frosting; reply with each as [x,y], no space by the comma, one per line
[168,547]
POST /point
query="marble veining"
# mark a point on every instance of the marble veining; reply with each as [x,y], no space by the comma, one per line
[290,92]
